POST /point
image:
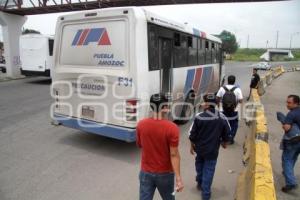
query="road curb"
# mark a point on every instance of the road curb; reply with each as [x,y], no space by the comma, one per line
[4,79]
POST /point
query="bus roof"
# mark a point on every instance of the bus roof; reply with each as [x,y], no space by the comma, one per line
[36,35]
[156,19]
[153,18]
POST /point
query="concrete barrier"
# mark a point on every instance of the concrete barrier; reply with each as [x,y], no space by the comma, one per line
[278,71]
[269,78]
[256,181]
[262,85]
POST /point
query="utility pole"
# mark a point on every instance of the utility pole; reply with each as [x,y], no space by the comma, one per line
[248,41]
[296,33]
[277,39]
[267,44]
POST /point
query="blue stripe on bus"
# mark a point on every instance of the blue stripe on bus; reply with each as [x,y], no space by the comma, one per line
[206,75]
[125,134]
[189,80]
[94,35]
[76,38]
[196,32]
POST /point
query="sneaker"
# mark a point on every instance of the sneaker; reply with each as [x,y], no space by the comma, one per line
[288,188]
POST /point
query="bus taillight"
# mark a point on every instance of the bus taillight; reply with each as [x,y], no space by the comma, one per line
[56,93]
[131,109]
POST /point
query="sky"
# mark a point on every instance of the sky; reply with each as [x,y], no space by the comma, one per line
[260,22]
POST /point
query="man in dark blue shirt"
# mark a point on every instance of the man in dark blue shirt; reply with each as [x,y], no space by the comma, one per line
[291,150]
[209,130]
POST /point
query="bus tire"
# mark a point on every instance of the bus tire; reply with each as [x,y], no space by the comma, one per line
[187,110]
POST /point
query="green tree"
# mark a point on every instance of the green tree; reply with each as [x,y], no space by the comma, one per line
[230,45]
[27,31]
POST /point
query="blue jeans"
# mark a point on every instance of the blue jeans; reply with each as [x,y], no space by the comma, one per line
[289,158]
[205,173]
[233,119]
[164,182]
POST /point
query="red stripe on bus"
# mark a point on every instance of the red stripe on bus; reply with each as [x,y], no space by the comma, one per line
[197,79]
[83,36]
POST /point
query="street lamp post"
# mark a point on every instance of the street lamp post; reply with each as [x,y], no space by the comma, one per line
[296,33]
[277,35]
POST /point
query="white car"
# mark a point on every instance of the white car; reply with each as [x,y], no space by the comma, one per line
[262,66]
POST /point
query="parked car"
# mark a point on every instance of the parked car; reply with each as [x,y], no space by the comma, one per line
[2,68]
[262,66]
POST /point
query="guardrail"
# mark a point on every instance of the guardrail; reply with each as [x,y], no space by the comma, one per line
[296,69]
[256,181]
[267,79]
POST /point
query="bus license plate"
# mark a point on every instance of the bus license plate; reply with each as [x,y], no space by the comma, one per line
[87,112]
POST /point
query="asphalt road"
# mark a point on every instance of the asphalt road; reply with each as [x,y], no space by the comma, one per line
[39,161]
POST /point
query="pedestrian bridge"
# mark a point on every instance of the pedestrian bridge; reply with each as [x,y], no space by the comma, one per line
[33,7]
[270,53]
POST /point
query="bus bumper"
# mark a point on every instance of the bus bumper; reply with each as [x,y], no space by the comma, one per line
[111,131]
[35,73]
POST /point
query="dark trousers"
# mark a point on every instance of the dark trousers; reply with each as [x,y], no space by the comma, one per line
[233,119]
[164,182]
[289,158]
[205,173]
[249,94]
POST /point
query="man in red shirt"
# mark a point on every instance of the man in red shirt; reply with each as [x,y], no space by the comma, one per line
[159,138]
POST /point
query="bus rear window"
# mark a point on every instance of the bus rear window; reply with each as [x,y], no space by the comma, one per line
[102,44]
[32,43]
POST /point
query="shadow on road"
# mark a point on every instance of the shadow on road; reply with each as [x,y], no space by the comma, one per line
[96,144]
[40,81]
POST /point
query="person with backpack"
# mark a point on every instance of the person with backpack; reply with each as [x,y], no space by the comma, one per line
[230,96]
[209,130]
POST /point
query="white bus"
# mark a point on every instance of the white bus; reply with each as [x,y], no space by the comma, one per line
[36,54]
[109,62]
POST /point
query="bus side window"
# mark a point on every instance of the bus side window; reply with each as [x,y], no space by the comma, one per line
[180,50]
[207,53]
[217,53]
[201,52]
[176,39]
[213,49]
[192,48]
[152,48]
[51,43]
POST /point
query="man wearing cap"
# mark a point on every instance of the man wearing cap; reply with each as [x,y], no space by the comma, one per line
[209,130]
[159,138]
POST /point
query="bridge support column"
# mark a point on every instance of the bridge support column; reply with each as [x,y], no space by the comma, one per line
[12,30]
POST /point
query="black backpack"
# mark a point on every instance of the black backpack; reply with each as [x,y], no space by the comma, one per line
[229,101]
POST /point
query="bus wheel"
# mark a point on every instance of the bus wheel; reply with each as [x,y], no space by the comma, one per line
[187,109]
